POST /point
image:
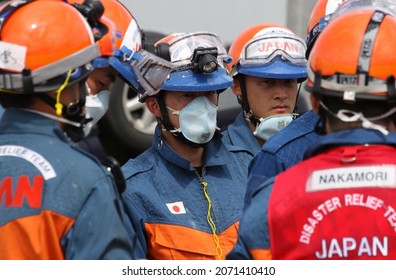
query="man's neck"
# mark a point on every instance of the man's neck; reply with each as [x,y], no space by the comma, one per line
[194,155]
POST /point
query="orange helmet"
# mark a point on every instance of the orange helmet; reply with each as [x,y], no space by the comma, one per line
[353,57]
[38,56]
[123,23]
[318,20]
[142,70]
[122,18]
[268,51]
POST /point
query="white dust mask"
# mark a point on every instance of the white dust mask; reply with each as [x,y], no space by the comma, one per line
[197,120]
[96,106]
[271,125]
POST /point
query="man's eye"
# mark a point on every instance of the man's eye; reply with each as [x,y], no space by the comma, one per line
[267,82]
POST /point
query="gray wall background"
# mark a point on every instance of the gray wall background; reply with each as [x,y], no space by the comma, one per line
[225,17]
[298,13]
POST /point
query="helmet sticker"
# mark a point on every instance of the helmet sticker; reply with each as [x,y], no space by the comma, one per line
[332,5]
[273,31]
[12,56]
[133,37]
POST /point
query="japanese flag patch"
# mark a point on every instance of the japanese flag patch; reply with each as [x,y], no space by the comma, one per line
[176,207]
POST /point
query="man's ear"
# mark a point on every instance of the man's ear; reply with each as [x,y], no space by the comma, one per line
[153,106]
[236,87]
[315,102]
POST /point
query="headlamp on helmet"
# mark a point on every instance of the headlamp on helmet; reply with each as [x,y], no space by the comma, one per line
[92,10]
[205,60]
[198,60]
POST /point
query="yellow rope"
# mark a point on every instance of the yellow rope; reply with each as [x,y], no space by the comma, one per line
[8,91]
[219,251]
[59,105]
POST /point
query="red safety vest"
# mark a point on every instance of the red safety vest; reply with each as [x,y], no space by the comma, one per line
[340,204]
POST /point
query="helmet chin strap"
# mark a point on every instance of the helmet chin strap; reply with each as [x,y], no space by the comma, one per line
[73,112]
[72,116]
[244,102]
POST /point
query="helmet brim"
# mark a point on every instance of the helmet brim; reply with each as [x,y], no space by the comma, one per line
[126,72]
[187,80]
[276,69]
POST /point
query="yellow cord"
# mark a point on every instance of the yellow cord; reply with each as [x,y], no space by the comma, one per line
[219,251]
[58,104]
[8,91]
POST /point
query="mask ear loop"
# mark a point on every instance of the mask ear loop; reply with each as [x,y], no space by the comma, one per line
[58,104]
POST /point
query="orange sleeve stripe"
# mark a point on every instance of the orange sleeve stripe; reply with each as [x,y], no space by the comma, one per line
[261,254]
[182,243]
[34,237]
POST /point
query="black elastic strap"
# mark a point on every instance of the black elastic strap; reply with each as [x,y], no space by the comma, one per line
[390,82]
[27,81]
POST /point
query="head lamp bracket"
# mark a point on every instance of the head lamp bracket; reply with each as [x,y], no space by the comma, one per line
[204,60]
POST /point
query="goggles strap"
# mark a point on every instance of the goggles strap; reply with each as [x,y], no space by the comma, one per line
[366,49]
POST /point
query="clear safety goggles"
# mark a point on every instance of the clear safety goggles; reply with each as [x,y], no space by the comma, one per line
[263,49]
[182,48]
[151,71]
[386,6]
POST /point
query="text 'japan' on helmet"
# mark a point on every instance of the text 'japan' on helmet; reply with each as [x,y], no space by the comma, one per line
[198,59]
[268,51]
[353,58]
